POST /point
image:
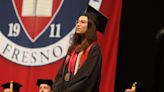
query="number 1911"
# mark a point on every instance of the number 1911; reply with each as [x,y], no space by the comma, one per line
[14,30]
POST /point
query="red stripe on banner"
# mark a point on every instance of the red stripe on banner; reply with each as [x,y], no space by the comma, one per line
[112,9]
[26,75]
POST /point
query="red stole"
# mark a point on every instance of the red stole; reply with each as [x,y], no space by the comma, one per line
[71,59]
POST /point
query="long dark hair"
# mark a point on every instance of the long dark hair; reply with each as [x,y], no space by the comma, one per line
[82,41]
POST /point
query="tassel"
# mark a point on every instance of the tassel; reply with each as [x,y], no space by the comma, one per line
[133,88]
[11,86]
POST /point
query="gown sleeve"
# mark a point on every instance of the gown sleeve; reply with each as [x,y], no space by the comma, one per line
[58,81]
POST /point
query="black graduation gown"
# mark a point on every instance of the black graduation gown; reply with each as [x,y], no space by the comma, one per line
[87,79]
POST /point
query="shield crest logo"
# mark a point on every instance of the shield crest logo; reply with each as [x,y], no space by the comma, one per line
[37,30]
[36,15]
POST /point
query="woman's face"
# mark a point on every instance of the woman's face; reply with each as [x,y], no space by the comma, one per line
[81,25]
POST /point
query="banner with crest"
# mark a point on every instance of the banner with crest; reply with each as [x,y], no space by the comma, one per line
[34,38]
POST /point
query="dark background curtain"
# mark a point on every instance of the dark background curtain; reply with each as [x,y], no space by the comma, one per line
[138,53]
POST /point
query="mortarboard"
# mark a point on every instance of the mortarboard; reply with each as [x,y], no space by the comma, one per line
[44,81]
[101,20]
[16,86]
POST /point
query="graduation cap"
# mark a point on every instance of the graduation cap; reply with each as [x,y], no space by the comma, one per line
[44,81]
[100,19]
[15,86]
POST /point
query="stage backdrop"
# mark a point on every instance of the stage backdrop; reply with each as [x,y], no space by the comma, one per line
[34,38]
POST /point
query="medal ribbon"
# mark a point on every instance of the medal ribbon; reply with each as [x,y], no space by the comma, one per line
[72,62]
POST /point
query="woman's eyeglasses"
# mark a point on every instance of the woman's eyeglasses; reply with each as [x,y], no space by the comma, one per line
[81,21]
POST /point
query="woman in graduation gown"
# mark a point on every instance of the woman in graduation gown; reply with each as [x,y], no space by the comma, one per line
[81,69]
